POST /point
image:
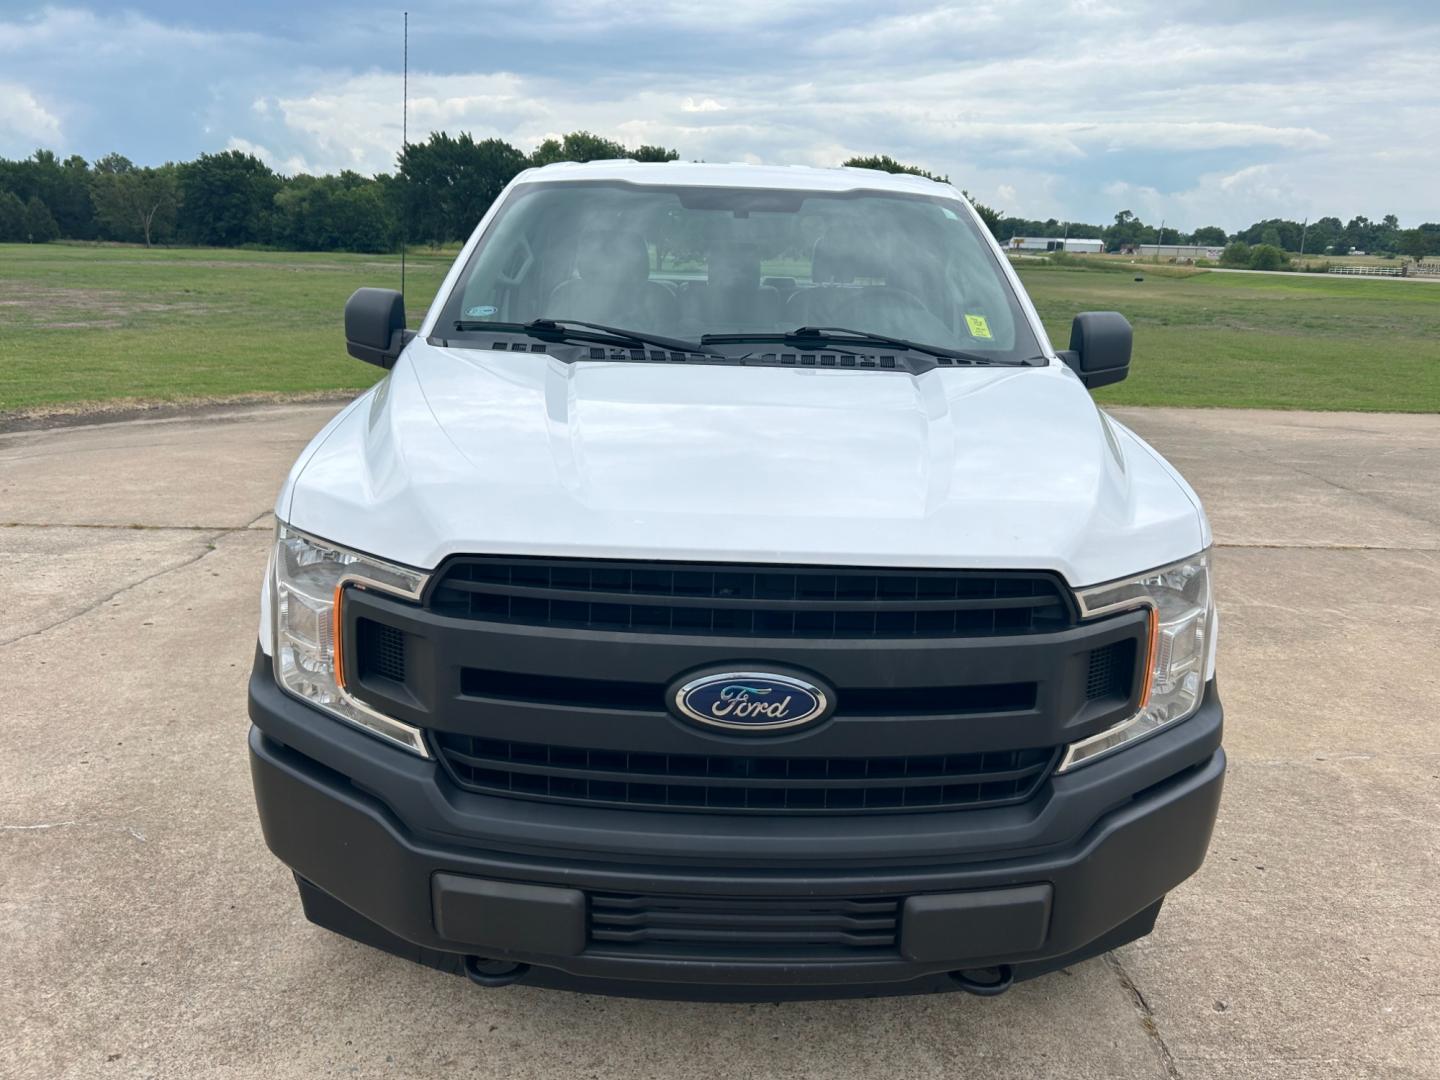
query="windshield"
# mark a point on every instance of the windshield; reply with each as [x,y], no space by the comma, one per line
[687,262]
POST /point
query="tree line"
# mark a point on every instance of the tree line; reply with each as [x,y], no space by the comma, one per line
[443,185]
[439,190]
[1326,235]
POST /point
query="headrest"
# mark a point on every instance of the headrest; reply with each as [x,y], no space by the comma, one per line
[734,266]
[844,256]
[617,255]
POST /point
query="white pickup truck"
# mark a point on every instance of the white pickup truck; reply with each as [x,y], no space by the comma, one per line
[729,592]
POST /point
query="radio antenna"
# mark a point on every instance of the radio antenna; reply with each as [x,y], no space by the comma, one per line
[404,152]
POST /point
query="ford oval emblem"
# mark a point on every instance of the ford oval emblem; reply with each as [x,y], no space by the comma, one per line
[751,701]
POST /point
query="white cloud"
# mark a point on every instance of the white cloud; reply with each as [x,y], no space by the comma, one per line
[1262,190]
[290,165]
[1196,112]
[101,37]
[356,122]
[958,25]
[24,121]
[700,15]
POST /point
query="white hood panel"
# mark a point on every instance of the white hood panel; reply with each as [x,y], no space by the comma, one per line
[474,451]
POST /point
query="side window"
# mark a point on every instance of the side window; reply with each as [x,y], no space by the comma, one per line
[529,252]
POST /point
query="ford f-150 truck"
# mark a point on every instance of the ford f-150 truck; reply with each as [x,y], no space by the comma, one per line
[729,592]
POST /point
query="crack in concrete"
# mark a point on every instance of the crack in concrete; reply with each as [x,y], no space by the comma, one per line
[134,526]
[130,830]
[1362,493]
[210,539]
[1280,546]
[1146,1015]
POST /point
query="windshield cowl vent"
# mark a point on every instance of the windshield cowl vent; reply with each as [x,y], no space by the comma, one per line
[518,346]
[772,359]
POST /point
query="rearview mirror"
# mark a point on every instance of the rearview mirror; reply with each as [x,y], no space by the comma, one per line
[375,326]
[1099,348]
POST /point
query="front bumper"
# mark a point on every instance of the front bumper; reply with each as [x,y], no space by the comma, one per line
[389,852]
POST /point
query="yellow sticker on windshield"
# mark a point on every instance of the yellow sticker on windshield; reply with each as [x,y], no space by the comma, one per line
[978,326]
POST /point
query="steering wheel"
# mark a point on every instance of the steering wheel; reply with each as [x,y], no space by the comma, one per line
[892,292]
[884,304]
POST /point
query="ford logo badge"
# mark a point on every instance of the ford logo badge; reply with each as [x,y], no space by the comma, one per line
[751,701]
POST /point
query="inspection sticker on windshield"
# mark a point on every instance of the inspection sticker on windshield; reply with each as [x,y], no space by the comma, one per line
[979,327]
[484,311]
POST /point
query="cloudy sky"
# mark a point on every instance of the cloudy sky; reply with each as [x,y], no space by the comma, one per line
[1196,111]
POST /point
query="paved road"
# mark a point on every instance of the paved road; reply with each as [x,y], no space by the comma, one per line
[1422,279]
[145,931]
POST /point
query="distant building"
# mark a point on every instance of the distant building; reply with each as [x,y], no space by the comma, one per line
[1055,243]
[1178,251]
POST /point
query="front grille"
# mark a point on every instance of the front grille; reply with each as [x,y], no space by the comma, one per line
[685,925]
[952,688]
[749,601]
[738,784]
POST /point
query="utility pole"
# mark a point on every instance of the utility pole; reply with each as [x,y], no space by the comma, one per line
[404,149]
[1304,228]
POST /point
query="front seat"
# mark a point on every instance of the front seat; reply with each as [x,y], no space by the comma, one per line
[860,281]
[837,260]
[732,298]
[612,285]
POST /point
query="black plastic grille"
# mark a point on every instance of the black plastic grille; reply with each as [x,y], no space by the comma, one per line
[749,601]
[779,926]
[381,650]
[565,691]
[1110,670]
[738,784]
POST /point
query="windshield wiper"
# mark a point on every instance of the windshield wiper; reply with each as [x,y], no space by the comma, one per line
[816,336]
[561,330]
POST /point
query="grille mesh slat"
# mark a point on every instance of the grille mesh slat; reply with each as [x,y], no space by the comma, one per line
[741,601]
[381,650]
[773,926]
[701,782]
[1110,670]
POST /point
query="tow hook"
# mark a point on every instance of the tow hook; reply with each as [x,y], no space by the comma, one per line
[985,982]
[492,973]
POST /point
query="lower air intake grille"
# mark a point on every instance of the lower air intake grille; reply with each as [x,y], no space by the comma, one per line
[772,927]
[381,650]
[736,784]
[1110,672]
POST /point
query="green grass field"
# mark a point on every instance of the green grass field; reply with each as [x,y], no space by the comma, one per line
[85,325]
[1259,340]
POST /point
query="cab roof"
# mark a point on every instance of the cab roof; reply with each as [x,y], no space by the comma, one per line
[735,174]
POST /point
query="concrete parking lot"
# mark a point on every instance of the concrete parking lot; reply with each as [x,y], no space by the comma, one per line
[146,931]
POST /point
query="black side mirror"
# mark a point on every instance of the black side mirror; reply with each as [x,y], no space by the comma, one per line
[375,326]
[1099,348]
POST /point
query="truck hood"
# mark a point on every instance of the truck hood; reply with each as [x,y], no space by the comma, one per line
[470,450]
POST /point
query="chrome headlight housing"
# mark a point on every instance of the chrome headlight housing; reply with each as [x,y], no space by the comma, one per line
[1179,650]
[309,581]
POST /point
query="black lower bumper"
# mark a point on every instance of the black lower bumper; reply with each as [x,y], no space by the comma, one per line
[386,851]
